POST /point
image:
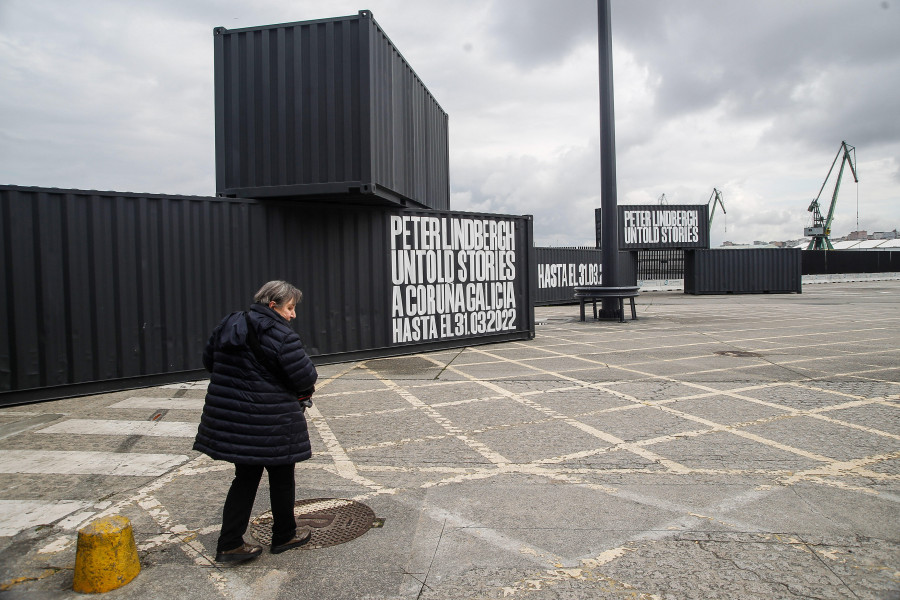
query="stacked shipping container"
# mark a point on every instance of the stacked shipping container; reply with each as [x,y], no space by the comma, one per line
[331,172]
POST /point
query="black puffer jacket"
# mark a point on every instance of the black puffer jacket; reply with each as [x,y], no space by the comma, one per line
[251,415]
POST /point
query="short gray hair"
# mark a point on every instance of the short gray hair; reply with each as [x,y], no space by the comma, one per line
[279,292]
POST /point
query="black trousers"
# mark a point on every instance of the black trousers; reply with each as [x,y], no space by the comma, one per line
[239,504]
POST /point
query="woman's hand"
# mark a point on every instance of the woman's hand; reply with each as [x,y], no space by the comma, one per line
[305,397]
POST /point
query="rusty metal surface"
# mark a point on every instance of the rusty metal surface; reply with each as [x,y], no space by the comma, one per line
[333,521]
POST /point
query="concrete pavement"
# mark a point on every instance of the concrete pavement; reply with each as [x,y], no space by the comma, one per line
[717,447]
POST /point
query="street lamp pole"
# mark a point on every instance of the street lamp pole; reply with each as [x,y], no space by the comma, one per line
[609,241]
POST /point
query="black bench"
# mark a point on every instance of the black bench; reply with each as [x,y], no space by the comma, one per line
[593,293]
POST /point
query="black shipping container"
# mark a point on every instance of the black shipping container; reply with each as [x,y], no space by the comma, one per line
[826,262]
[326,108]
[750,271]
[559,270]
[104,290]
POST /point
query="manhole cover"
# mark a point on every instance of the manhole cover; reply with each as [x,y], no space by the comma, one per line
[739,353]
[333,521]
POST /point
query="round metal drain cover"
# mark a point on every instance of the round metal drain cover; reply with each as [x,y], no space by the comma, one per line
[333,521]
[739,353]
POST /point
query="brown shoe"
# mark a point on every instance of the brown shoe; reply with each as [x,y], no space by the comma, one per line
[243,552]
[302,536]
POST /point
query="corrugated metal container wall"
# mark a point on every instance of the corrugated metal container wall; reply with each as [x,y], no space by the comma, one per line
[750,271]
[106,290]
[559,270]
[322,108]
[627,268]
[410,143]
[102,286]
[823,262]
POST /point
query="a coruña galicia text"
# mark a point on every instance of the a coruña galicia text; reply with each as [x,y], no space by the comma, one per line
[451,276]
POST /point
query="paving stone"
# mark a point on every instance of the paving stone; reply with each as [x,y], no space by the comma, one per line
[599,460]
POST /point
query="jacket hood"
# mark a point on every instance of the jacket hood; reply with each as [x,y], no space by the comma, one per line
[234,331]
[264,317]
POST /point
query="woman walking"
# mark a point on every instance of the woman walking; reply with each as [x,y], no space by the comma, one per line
[252,416]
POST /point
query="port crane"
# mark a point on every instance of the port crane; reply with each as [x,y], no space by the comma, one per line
[821,227]
[715,199]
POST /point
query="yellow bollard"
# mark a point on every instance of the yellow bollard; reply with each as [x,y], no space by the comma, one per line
[106,557]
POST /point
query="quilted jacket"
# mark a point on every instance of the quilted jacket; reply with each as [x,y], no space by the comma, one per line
[251,414]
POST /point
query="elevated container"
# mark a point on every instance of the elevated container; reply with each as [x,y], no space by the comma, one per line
[326,109]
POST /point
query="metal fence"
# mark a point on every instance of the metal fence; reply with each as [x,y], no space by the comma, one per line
[660,264]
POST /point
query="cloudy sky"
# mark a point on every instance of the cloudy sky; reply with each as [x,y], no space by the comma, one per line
[750,97]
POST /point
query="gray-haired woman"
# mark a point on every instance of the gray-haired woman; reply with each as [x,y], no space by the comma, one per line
[252,417]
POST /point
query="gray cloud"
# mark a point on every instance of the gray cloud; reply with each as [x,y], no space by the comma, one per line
[789,59]
[535,33]
[751,97]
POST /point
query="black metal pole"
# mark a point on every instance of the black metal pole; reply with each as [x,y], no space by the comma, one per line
[609,240]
